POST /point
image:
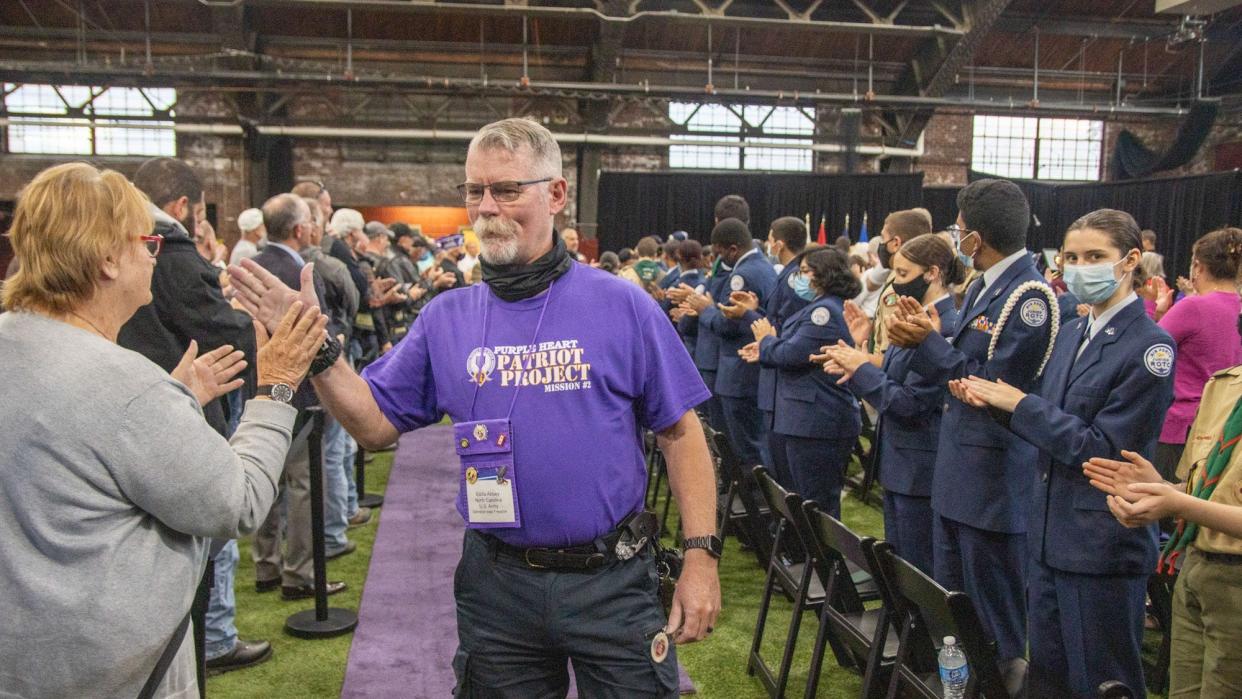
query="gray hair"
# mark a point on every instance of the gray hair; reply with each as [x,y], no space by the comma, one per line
[344,221]
[315,211]
[281,216]
[518,133]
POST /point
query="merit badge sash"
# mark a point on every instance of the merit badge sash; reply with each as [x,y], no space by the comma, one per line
[485,448]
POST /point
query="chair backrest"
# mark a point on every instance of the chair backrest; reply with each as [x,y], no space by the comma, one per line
[1114,689]
[832,543]
[931,612]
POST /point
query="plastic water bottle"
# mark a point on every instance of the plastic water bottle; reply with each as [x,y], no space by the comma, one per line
[954,672]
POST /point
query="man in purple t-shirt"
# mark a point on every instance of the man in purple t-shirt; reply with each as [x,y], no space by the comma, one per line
[551,372]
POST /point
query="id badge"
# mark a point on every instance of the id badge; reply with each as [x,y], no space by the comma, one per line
[489,481]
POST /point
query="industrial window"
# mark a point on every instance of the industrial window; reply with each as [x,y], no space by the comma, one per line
[778,129]
[1033,148]
[81,120]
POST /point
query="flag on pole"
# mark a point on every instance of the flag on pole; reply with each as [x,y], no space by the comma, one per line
[846,231]
[807,220]
[822,237]
[862,234]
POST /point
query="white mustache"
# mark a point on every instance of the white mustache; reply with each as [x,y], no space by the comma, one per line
[496,228]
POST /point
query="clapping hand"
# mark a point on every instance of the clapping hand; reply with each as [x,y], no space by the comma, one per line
[744,299]
[210,375]
[697,302]
[750,353]
[910,323]
[841,359]
[762,328]
[981,393]
[1146,503]
[679,293]
[1114,477]
[859,324]
[265,297]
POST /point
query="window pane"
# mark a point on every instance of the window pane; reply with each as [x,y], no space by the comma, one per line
[130,140]
[1004,146]
[121,101]
[1069,149]
[714,117]
[797,159]
[88,135]
[707,157]
[74,138]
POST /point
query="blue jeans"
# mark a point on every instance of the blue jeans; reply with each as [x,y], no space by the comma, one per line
[219,629]
[338,468]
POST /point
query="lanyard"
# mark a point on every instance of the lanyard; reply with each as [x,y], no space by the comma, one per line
[487,307]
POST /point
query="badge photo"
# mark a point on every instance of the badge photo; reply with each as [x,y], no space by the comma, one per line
[737,283]
[820,316]
[659,647]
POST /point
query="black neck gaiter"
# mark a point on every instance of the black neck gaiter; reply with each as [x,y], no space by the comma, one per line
[522,281]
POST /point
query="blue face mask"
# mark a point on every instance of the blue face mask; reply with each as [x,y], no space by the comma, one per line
[1092,283]
[802,287]
[425,262]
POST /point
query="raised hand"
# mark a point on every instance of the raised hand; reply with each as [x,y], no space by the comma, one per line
[750,353]
[287,355]
[859,324]
[265,297]
[762,328]
[210,376]
[747,300]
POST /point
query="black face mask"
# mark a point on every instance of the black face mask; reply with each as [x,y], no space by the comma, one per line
[522,281]
[915,288]
[886,257]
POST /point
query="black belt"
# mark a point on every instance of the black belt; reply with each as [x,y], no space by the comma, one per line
[597,554]
[1232,559]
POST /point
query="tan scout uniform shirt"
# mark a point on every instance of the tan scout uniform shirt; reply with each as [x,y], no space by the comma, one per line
[1220,395]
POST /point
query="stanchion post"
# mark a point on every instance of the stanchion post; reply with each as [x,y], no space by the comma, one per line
[360,481]
[322,621]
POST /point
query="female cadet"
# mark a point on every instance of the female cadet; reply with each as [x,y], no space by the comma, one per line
[909,407]
[819,419]
[1107,382]
[690,260]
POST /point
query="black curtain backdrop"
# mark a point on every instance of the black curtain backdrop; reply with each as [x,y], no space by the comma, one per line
[1179,209]
[637,204]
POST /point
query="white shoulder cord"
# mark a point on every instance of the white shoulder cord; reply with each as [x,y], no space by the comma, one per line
[1053,313]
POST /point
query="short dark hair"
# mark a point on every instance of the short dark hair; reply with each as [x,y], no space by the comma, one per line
[280,216]
[928,251]
[670,248]
[647,248]
[908,224]
[998,210]
[733,206]
[731,231]
[830,270]
[401,230]
[625,255]
[166,180]
[690,254]
[791,231]
[1148,235]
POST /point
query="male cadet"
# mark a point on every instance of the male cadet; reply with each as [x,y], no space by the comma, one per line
[550,389]
[981,488]
[786,241]
[707,344]
[737,381]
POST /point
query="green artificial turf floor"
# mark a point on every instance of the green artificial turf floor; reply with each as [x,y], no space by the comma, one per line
[305,669]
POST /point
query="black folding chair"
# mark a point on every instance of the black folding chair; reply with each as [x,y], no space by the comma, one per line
[744,510]
[926,612]
[796,580]
[869,645]
[1114,689]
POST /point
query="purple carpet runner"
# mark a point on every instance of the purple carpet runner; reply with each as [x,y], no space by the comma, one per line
[407,628]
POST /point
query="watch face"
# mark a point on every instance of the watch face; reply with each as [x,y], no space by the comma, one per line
[282,392]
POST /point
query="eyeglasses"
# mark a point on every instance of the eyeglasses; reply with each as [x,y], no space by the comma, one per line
[153,242]
[503,192]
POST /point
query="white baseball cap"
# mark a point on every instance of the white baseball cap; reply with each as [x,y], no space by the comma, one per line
[249,220]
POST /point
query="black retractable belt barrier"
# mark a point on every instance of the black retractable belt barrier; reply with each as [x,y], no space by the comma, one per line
[322,621]
[360,481]
[198,618]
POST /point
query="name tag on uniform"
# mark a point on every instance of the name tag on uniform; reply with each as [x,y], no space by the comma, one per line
[485,448]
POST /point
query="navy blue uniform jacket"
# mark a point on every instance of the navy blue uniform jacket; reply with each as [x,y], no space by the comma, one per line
[984,472]
[735,378]
[809,403]
[909,410]
[1112,398]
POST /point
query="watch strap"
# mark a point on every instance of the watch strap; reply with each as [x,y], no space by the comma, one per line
[328,353]
[710,543]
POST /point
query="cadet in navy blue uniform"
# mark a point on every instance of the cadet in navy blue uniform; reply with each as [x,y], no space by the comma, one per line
[1106,386]
[786,242]
[707,344]
[909,406]
[690,261]
[819,419]
[981,487]
[737,382]
[672,277]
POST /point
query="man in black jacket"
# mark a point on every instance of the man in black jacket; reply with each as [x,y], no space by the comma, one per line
[187,304]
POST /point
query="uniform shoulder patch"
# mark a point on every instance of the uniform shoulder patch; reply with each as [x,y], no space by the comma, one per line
[890,300]
[1034,312]
[820,316]
[700,288]
[737,282]
[1159,360]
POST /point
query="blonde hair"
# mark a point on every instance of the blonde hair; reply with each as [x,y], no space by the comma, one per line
[518,133]
[67,221]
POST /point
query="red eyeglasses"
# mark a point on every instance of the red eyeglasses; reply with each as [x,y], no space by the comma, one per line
[153,243]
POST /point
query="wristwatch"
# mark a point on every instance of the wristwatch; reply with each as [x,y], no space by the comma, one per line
[326,357]
[710,543]
[279,392]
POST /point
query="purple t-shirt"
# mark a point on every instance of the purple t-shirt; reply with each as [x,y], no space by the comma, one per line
[605,365]
[1206,331]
